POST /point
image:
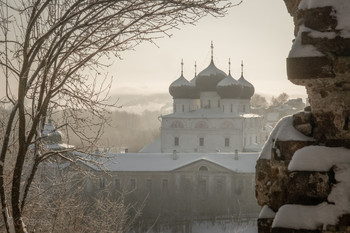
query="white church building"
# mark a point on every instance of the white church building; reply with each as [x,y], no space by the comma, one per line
[211,113]
[202,168]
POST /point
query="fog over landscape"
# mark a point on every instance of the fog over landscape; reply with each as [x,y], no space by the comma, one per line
[203,116]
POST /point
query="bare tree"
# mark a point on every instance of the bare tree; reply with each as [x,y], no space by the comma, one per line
[281,99]
[50,54]
[258,101]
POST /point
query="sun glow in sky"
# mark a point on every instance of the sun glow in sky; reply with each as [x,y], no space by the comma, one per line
[258,32]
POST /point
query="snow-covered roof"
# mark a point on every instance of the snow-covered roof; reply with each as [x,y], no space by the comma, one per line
[157,162]
[152,147]
[229,81]
[208,113]
[182,81]
[58,146]
[211,70]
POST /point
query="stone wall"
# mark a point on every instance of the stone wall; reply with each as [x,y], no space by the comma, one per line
[320,61]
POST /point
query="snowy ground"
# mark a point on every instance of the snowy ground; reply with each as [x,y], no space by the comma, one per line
[219,226]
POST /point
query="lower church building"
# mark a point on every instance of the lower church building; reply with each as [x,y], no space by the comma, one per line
[202,168]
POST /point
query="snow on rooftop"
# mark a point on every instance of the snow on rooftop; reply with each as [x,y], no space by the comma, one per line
[314,217]
[208,113]
[229,81]
[58,146]
[211,70]
[153,147]
[318,158]
[180,82]
[283,131]
[156,162]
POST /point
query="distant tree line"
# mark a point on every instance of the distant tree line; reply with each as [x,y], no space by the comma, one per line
[260,101]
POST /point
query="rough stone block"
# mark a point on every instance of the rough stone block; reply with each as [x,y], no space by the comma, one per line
[337,46]
[345,220]
[320,18]
[284,150]
[306,68]
[309,188]
[286,230]
[302,121]
[342,65]
[264,225]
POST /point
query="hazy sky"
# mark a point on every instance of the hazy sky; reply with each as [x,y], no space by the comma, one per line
[259,32]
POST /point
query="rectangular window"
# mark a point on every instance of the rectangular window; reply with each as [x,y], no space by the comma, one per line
[132,184]
[183,108]
[176,141]
[201,141]
[231,108]
[209,105]
[218,103]
[165,183]
[227,142]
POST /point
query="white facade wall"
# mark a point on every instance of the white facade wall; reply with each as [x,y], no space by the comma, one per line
[185,105]
[230,106]
[210,100]
[238,132]
[244,106]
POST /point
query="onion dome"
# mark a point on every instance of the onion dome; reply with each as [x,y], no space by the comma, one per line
[208,78]
[248,88]
[229,88]
[51,134]
[181,88]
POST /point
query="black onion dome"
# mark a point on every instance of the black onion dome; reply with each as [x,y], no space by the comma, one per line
[229,88]
[195,93]
[182,89]
[248,88]
[208,78]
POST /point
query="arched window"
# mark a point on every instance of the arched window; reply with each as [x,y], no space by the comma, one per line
[201,125]
[177,124]
[226,125]
[203,169]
